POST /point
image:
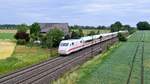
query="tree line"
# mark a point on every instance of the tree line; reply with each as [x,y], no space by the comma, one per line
[8,26]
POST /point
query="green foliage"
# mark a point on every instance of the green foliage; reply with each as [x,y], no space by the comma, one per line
[81,33]
[22,28]
[116,26]
[9,36]
[24,56]
[143,25]
[67,37]
[91,33]
[21,41]
[75,35]
[22,37]
[54,36]
[35,32]
[35,29]
[122,37]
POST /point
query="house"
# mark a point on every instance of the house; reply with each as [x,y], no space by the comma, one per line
[45,27]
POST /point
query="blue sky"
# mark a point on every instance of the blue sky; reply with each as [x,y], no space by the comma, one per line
[81,12]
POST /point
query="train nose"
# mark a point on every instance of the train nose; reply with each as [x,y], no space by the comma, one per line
[62,51]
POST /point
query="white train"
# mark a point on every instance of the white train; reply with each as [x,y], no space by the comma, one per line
[68,46]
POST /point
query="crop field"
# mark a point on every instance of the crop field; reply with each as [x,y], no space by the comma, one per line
[6,49]
[24,56]
[129,63]
[6,36]
[7,31]
[87,31]
[7,44]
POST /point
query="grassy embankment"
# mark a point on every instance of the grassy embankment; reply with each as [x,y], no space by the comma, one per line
[17,56]
[114,66]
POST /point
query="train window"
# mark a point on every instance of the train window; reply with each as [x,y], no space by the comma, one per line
[72,43]
[64,44]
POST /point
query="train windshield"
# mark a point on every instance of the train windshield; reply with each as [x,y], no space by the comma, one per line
[64,44]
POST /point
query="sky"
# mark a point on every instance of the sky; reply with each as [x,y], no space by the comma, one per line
[80,12]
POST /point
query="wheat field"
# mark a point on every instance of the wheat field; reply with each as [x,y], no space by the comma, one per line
[6,49]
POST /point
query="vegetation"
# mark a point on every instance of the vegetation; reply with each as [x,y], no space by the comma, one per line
[22,28]
[117,26]
[122,37]
[4,36]
[35,32]
[91,33]
[54,36]
[8,26]
[24,56]
[143,25]
[22,37]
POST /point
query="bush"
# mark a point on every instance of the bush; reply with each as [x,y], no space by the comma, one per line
[122,37]
[22,35]
[21,41]
[91,33]
[75,35]
[67,37]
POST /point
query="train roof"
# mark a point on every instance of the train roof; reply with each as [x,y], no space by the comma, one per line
[70,40]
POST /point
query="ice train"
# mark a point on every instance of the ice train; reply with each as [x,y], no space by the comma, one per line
[72,45]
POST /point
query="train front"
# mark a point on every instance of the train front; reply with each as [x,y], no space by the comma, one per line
[63,48]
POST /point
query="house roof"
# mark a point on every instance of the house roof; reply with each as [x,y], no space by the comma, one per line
[45,27]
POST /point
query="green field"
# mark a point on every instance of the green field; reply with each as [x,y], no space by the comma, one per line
[115,66]
[24,56]
[4,36]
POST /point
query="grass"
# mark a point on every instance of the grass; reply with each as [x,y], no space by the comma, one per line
[114,67]
[6,36]
[24,56]
[87,31]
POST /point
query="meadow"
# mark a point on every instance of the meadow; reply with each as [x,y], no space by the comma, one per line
[113,67]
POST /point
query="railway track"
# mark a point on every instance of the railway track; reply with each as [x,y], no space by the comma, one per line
[46,72]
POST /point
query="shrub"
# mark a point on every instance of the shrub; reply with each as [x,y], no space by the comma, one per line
[21,41]
[122,37]
[22,37]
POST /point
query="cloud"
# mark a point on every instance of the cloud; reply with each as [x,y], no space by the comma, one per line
[74,11]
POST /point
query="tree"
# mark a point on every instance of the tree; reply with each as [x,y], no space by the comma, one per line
[67,37]
[35,29]
[81,34]
[22,37]
[54,36]
[22,28]
[121,37]
[91,33]
[75,35]
[117,26]
[143,25]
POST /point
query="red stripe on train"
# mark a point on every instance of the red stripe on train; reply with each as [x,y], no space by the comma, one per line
[74,48]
